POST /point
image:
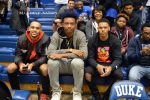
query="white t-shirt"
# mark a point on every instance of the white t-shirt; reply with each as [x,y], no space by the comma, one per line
[61,1]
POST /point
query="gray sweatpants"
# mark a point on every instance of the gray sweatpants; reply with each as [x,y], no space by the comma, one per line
[74,66]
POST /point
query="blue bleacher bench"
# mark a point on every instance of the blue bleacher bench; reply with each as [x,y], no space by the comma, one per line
[8,32]
[20,94]
[12,38]
[7,51]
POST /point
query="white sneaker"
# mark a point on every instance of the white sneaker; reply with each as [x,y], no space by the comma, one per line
[56,95]
[77,96]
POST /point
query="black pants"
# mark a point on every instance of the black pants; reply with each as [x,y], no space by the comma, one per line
[14,81]
[115,75]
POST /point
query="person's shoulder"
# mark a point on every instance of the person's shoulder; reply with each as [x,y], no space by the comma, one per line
[135,16]
[22,37]
[45,36]
[113,28]
[89,22]
[113,38]
[79,32]
[63,8]
[112,35]
[128,28]
[135,38]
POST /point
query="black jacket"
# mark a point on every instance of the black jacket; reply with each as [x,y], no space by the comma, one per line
[115,51]
[134,23]
[24,49]
[138,3]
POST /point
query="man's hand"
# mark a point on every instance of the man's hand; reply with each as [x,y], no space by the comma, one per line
[21,66]
[123,50]
[100,69]
[107,71]
[30,66]
[145,51]
[55,56]
[77,52]
[141,8]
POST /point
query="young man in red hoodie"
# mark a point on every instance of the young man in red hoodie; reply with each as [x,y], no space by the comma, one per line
[30,55]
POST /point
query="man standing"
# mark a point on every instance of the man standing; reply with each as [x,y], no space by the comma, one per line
[66,52]
[70,5]
[139,55]
[134,20]
[57,21]
[104,59]
[30,55]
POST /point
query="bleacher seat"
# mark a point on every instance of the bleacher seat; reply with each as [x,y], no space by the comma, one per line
[6,58]
[39,14]
[8,44]
[12,38]
[45,19]
[8,32]
[46,28]
[31,77]
[5,27]
[7,51]
[20,94]
[41,9]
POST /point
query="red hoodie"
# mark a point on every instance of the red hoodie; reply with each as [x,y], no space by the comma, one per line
[33,42]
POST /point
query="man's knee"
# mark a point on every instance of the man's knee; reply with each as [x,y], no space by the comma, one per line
[88,77]
[134,74]
[12,68]
[53,64]
[134,77]
[88,74]
[44,69]
[77,63]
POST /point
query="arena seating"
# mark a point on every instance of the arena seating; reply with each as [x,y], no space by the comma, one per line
[20,94]
[8,39]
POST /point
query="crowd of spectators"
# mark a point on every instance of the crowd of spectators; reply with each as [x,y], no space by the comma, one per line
[100,35]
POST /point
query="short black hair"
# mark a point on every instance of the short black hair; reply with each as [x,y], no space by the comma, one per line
[127,3]
[69,13]
[98,8]
[37,22]
[70,0]
[105,20]
[145,25]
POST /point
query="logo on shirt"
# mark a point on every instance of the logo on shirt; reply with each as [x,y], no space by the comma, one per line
[103,54]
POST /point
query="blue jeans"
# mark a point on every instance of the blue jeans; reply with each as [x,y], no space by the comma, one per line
[138,71]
